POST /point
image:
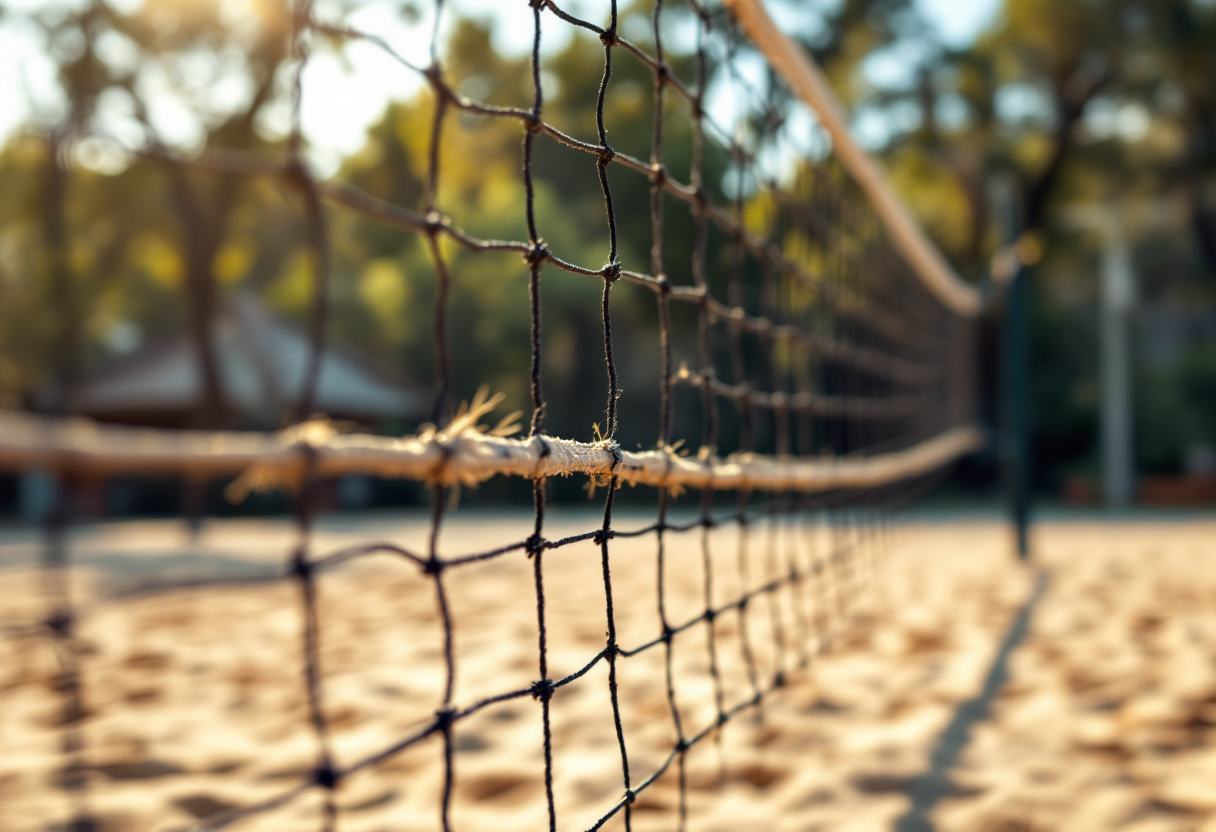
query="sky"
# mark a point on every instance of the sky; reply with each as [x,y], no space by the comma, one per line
[959,21]
[345,95]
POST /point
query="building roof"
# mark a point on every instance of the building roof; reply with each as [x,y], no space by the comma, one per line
[262,360]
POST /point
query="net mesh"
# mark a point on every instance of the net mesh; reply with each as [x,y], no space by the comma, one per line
[841,382]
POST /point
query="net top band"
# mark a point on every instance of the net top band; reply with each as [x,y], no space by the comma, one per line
[810,84]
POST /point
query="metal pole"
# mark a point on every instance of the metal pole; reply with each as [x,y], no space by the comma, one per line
[1118,288]
[1015,375]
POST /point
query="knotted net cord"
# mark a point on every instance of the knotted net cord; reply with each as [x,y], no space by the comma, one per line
[873,367]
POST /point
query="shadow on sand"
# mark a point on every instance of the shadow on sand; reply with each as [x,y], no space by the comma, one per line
[935,784]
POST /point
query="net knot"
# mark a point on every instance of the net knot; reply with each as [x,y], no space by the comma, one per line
[538,4]
[668,633]
[296,172]
[444,718]
[325,776]
[605,154]
[608,38]
[435,222]
[630,796]
[681,745]
[300,567]
[434,75]
[59,623]
[542,690]
[537,253]
[432,566]
[664,285]
[533,123]
[658,174]
[611,272]
[710,615]
[779,679]
[535,544]
[603,536]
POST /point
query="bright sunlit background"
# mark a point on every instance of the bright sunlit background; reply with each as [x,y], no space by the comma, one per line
[348,89]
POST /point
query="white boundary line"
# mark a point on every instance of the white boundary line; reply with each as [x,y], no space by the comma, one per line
[809,82]
[468,457]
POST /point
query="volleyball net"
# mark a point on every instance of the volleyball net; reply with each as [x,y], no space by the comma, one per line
[814,357]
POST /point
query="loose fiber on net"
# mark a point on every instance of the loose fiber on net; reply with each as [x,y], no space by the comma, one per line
[866,392]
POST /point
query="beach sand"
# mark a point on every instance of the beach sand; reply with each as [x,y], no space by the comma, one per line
[946,686]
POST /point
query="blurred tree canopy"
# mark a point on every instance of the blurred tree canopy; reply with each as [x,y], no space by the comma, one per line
[187,237]
[1084,102]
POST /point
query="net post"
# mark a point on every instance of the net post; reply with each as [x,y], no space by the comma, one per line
[1015,362]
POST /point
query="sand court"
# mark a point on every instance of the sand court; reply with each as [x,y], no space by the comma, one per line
[947,687]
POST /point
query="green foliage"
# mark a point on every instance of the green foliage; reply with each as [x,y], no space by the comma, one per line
[140,268]
[1085,104]
[1028,98]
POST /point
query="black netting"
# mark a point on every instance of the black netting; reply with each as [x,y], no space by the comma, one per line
[805,336]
